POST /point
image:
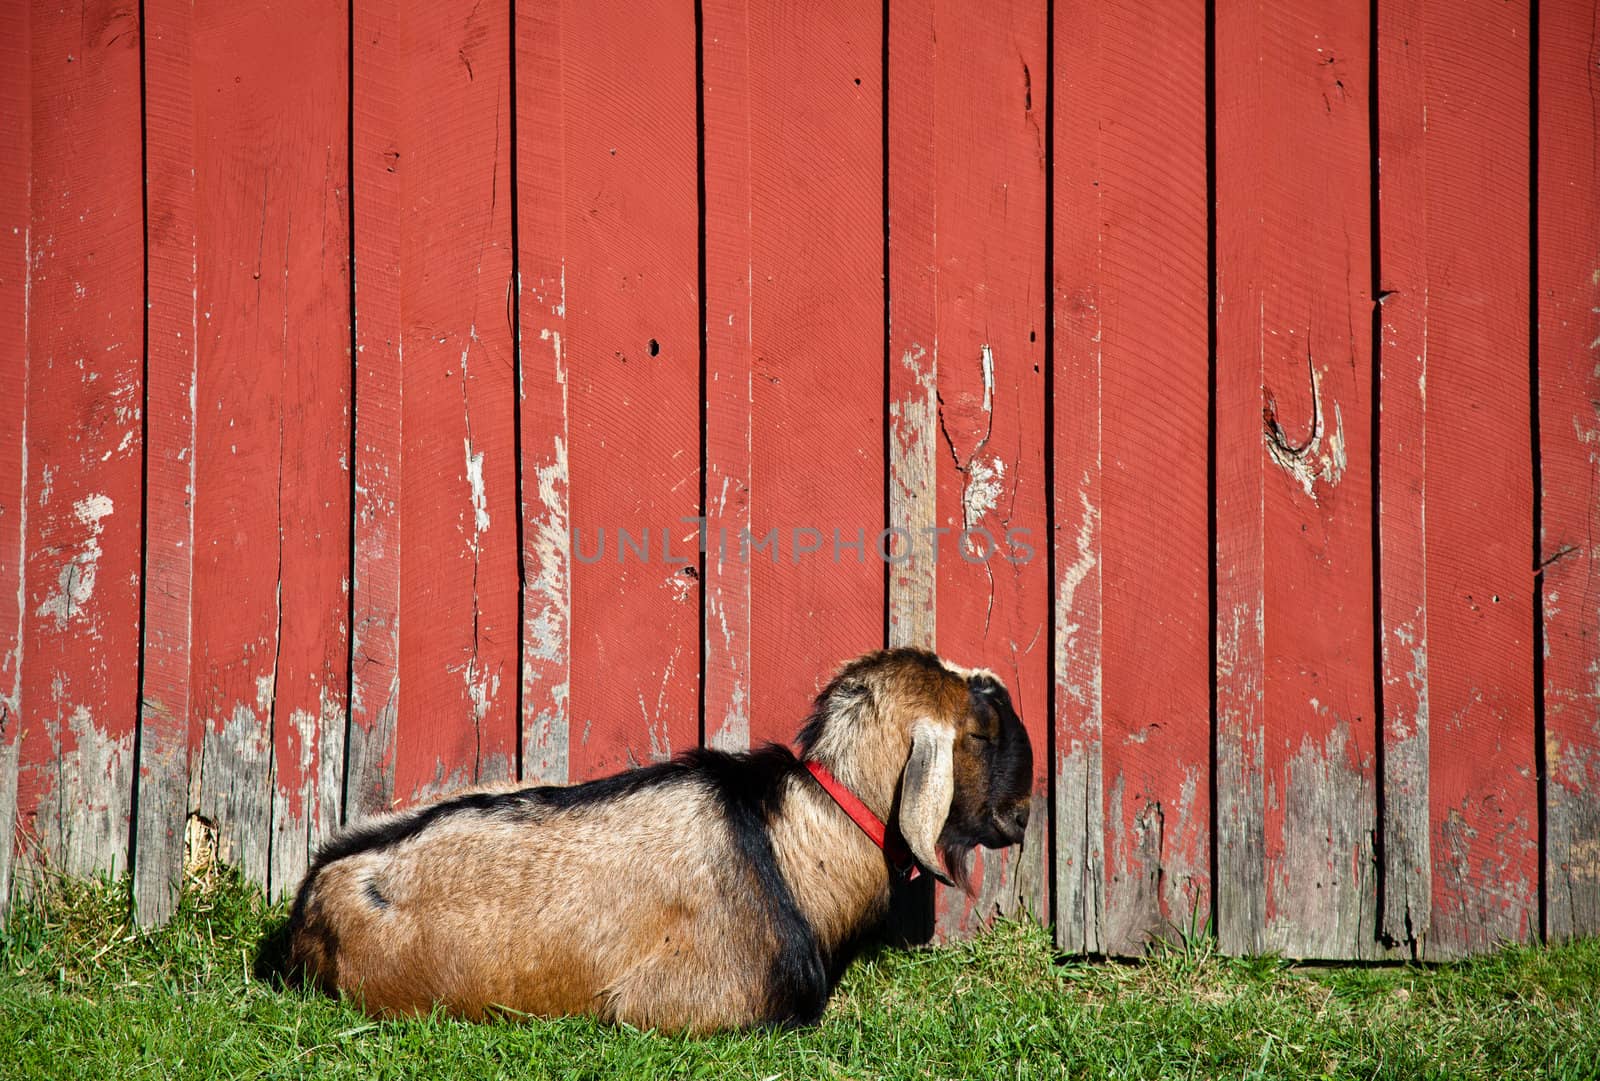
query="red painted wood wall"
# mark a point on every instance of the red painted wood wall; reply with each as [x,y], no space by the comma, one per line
[372,378]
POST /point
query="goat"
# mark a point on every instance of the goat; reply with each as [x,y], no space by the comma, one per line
[711,891]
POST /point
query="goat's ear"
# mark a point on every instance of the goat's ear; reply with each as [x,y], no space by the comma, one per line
[926,789]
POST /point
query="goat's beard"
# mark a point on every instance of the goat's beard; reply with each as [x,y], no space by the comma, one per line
[957,859]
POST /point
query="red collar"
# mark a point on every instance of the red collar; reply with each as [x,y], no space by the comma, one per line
[892,844]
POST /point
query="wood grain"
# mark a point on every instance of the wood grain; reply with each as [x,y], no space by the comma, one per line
[83,405]
[1569,450]
[1131,767]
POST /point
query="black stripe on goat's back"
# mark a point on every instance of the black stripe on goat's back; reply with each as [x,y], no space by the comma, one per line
[513,803]
[751,778]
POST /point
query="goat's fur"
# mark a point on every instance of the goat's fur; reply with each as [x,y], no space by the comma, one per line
[713,891]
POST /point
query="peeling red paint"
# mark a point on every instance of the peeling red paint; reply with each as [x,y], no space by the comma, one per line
[966,288]
[1457,487]
[1294,514]
[82,391]
[1569,428]
[1131,554]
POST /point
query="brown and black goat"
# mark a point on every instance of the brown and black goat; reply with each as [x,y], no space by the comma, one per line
[712,891]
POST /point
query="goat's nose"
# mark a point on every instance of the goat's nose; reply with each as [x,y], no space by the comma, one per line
[1018,818]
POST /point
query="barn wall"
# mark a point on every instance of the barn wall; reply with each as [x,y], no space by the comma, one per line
[535,390]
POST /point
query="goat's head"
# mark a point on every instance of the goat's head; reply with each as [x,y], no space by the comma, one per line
[940,745]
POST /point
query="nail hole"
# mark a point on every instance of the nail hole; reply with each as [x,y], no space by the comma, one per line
[858,82]
[1032,336]
[655,347]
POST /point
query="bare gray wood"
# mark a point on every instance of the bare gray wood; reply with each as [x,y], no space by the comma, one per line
[8,804]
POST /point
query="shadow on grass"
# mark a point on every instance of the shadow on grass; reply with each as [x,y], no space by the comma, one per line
[271,963]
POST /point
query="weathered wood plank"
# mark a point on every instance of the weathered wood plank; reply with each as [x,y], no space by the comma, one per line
[16,160]
[271,443]
[459,654]
[1466,90]
[377,194]
[1407,872]
[171,366]
[968,318]
[1296,683]
[84,391]
[1482,790]
[813,225]
[1132,792]
[442,123]
[914,265]
[310,699]
[1569,429]
[542,392]
[914,447]
[729,368]
[632,347]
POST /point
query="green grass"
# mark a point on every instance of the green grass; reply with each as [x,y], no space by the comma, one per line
[82,995]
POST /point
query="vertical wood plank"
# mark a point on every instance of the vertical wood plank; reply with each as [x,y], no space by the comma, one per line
[1407,881]
[1296,682]
[460,640]
[817,458]
[271,430]
[171,367]
[16,159]
[1465,130]
[967,329]
[377,59]
[542,392]
[84,391]
[1569,430]
[437,610]
[1132,791]
[310,699]
[913,377]
[632,348]
[729,239]
[813,227]
[914,444]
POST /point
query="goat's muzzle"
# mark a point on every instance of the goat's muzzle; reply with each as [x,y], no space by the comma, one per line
[1009,826]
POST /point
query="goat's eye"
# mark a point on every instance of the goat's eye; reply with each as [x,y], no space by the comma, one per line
[980,737]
